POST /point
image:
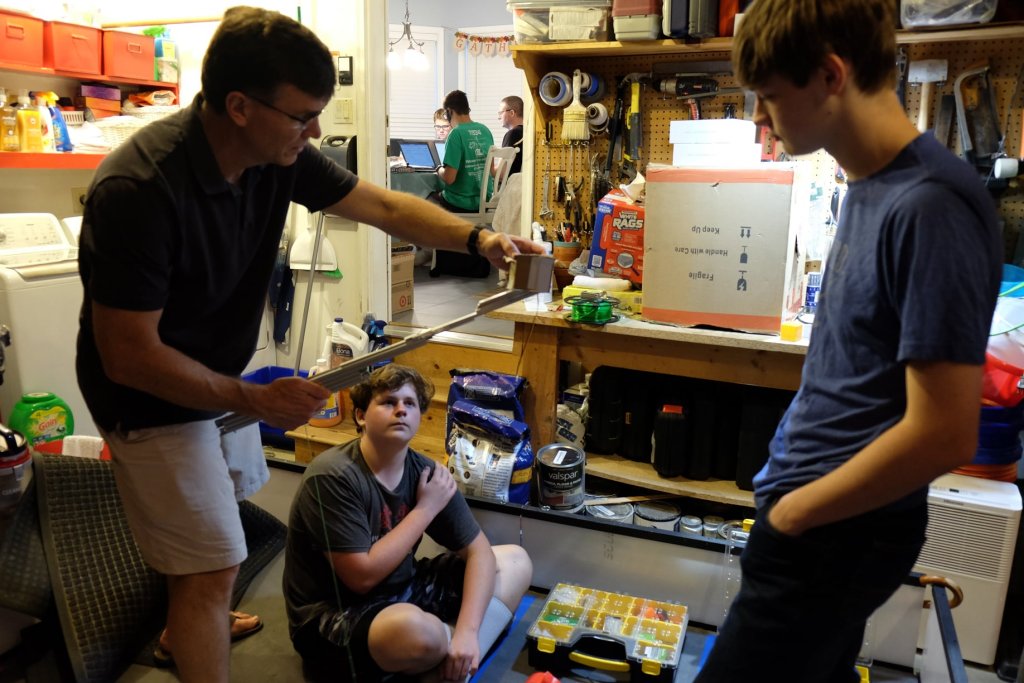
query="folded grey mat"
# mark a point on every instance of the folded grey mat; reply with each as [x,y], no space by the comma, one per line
[69,544]
[24,578]
[108,600]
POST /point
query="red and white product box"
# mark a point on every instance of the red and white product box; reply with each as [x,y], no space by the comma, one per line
[724,245]
[618,244]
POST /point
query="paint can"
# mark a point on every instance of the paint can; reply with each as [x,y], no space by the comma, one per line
[622,512]
[691,524]
[560,470]
[711,525]
[656,514]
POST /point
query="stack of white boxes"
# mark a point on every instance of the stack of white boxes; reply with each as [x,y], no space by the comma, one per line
[714,143]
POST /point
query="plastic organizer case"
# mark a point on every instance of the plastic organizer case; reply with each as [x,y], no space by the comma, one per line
[548,21]
[580,626]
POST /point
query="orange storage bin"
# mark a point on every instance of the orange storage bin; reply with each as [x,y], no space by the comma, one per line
[72,47]
[21,39]
[128,55]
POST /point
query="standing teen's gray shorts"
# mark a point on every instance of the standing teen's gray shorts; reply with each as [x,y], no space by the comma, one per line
[180,486]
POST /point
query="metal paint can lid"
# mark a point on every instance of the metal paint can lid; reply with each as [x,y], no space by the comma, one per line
[622,512]
[656,514]
[561,455]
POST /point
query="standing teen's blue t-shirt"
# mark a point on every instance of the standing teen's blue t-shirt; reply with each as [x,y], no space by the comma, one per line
[912,276]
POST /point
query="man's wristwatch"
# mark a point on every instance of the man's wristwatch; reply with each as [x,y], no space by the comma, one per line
[474,238]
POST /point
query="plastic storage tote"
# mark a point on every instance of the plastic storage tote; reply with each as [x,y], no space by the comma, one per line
[930,13]
[272,436]
[548,21]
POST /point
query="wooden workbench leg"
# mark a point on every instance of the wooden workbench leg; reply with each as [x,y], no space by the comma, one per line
[537,347]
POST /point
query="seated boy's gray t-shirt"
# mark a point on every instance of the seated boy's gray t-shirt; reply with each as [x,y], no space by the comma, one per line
[912,275]
[341,507]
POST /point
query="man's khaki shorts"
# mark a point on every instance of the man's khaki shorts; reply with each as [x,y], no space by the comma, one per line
[180,486]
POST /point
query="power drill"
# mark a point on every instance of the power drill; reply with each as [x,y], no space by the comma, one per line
[687,86]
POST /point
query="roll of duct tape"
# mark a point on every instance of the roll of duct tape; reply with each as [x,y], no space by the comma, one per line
[597,115]
[555,89]
[591,87]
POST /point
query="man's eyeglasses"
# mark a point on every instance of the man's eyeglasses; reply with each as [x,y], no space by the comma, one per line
[442,127]
[302,121]
[502,111]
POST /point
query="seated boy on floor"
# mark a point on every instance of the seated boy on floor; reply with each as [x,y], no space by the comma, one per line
[357,599]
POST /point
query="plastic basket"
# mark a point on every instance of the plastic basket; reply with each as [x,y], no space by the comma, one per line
[117,129]
[73,118]
[272,436]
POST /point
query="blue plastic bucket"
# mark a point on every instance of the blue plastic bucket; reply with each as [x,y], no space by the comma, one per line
[273,436]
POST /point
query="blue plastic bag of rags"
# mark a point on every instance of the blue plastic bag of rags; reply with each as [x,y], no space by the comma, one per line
[272,436]
[495,391]
[489,454]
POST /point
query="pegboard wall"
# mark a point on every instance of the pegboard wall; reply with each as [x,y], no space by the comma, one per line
[579,164]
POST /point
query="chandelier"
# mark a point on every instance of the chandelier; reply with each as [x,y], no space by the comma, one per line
[412,57]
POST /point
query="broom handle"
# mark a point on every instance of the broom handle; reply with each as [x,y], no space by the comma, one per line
[309,291]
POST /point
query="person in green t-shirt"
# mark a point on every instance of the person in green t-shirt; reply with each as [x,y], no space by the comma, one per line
[465,155]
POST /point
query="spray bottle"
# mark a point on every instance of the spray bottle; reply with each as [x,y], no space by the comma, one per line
[61,139]
[333,411]
[45,123]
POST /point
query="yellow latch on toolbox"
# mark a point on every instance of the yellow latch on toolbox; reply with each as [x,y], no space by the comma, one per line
[546,645]
[650,667]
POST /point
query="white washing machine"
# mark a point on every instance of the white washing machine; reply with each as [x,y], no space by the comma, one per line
[40,299]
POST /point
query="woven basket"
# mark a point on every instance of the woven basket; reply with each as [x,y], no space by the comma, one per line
[152,112]
[117,129]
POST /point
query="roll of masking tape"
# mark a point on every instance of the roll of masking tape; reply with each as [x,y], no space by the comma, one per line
[597,115]
[555,89]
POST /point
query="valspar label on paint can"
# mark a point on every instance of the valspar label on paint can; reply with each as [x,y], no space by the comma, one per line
[656,514]
[560,469]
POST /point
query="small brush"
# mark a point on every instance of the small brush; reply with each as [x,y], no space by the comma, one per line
[574,118]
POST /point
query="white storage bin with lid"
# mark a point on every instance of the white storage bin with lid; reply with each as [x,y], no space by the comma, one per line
[547,21]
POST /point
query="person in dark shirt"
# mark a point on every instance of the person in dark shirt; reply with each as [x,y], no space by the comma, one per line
[179,236]
[358,599]
[510,114]
[890,393]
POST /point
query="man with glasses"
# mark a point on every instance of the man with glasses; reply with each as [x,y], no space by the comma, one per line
[180,233]
[510,114]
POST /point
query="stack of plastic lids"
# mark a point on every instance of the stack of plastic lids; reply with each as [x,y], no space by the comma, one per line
[999,446]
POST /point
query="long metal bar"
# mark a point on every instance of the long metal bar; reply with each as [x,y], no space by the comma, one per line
[356,370]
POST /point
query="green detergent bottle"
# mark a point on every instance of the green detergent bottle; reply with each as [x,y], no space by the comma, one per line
[42,416]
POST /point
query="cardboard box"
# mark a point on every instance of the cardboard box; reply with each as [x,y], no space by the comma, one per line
[401,266]
[711,131]
[103,92]
[95,103]
[724,245]
[715,155]
[401,297]
[618,244]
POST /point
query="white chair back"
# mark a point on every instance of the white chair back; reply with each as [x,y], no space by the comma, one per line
[500,159]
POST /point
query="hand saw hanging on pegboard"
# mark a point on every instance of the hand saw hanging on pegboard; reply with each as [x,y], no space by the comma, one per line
[633,140]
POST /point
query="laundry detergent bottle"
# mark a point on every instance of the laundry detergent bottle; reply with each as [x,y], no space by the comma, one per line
[41,416]
[348,341]
[333,411]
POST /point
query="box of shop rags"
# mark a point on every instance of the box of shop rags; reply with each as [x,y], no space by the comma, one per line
[618,244]
[724,246]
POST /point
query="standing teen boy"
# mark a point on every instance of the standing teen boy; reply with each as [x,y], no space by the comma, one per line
[360,605]
[891,386]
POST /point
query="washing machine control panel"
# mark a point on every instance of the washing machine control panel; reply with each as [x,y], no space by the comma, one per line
[29,239]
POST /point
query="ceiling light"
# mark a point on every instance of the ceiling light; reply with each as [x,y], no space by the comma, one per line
[413,57]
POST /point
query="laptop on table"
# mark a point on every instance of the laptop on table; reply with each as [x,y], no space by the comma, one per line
[419,155]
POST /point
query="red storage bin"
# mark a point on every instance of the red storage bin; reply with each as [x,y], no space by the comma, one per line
[21,39]
[72,47]
[128,55]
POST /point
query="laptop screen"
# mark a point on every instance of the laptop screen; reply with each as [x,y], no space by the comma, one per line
[439,146]
[417,154]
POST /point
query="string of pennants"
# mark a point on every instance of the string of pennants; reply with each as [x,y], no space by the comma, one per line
[485,46]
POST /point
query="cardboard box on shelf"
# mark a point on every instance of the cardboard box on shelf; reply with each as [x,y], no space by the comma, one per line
[401,297]
[618,244]
[724,247]
[401,266]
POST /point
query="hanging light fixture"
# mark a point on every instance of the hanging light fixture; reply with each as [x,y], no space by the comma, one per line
[412,57]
